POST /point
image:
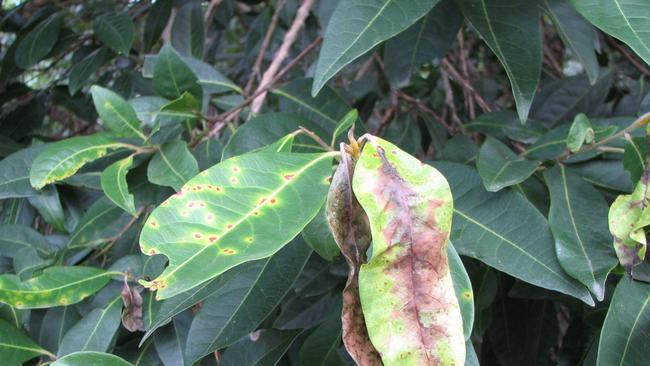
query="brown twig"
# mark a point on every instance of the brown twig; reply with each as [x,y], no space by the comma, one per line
[315,137]
[255,72]
[462,56]
[212,7]
[423,107]
[628,55]
[281,54]
[388,114]
[449,68]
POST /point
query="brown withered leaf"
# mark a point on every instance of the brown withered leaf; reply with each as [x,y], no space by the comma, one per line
[349,226]
[132,312]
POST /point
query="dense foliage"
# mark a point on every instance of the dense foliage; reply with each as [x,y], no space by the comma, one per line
[398,182]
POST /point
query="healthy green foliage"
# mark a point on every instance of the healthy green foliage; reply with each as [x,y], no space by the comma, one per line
[114,184]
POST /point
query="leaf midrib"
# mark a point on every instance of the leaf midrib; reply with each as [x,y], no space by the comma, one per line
[620,9]
[636,321]
[69,284]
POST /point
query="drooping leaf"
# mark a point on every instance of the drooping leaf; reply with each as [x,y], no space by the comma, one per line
[173,165]
[576,33]
[427,40]
[499,167]
[56,286]
[39,41]
[114,185]
[579,133]
[116,113]
[91,358]
[356,26]
[577,221]
[62,159]
[627,217]
[102,221]
[623,19]
[349,227]
[116,30]
[84,69]
[95,331]
[506,232]
[321,346]
[511,29]
[14,173]
[239,308]
[266,349]
[156,21]
[623,338]
[406,288]
[345,124]
[229,208]
[188,30]
[16,347]
[172,76]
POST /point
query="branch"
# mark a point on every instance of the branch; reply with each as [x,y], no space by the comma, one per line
[281,54]
[638,65]
[210,12]
[465,84]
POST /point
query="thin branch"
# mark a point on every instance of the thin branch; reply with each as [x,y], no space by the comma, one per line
[423,107]
[448,67]
[255,72]
[281,54]
[207,17]
[315,137]
[628,55]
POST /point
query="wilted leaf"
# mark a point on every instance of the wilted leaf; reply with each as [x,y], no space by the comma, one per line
[628,215]
[406,288]
[132,313]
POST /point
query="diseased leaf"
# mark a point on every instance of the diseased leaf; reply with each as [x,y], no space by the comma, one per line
[577,220]
[62,159]
[627,217]
[113,180]
[624,19]
[511,29]
[116,113]
[229,208]
[116,30]
[16,347]
[406,288]
[172,76]
[266,349]
[173,165]
[506,232]
[499,167]
[91,358]
[463,290]
[350,229]
[14,173]
[356,26]
[240,307]
[95,331]
[38,43]
[425,41]
[56,286]
[132,313]
[623,338]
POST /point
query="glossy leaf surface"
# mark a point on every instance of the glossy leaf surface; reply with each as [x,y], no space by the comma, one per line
[173,165]
[91,358]
[114,185]
[499,167]
[15,346]
[116,113]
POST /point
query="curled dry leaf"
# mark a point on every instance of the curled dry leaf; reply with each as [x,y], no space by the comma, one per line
[349,226]
[406,289]
[132,312]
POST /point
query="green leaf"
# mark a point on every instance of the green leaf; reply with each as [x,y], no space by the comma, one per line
[156,21]
[173,165]
[114,184]
[38,43]
[499,167]
[208,153]
[171,341]
[511,29]
[321,346]
[62,159]
[14,173]
[636,150]
[608,174]
[345,124]
[240,307]
[82,71]
[210,79]
[172,76]
[16,347]
[48,205]
[319,237]
[56,286]
[56,323]
[462,289]
[265,129]
[357,26]
[428,39]
[578,221]
[326,109]
[627,219]
[116,30]
[215,221]
[91,358]
[409,206]
[623,338]
[506,232]
[623,19]
[102,221]
[188,31]
[579,133]
[266,350]
[576,33]
[95,331]
[116,113]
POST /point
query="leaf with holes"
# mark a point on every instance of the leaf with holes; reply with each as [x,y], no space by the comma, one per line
[62,159]
[56,286]
[578,221]
[406,288]
[113,181]
[243,209]
[116,113]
